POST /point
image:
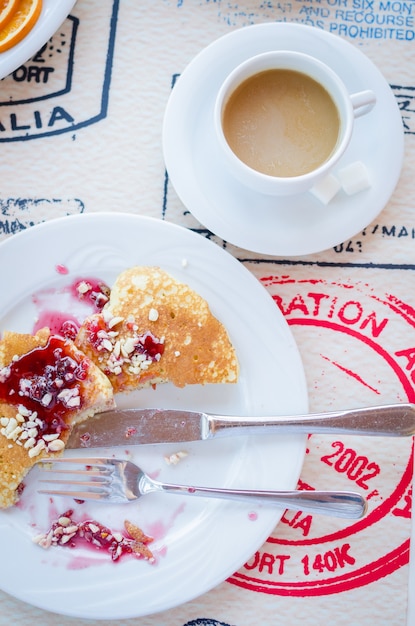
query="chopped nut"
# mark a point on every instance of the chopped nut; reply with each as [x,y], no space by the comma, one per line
[45,541]
[56,445]
[50,437]
[74,402]
[174,458]
[128,346]
[15,433]
[4,374]
[143,550]
[37,449]
[93,528]
[135,532]
[11,425]
[106,343]
[70,397]
[83,287]
[24,411]
[114,321]
[47,399]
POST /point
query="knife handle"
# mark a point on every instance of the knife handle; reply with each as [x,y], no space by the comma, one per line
[393,420]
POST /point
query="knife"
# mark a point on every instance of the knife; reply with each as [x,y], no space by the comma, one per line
[130,427]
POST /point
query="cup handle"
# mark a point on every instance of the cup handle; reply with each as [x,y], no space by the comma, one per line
[362,102]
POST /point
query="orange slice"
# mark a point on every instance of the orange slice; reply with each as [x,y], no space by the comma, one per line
[21,23]
[7,8]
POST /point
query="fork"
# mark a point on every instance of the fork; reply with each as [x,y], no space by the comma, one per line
[120,481]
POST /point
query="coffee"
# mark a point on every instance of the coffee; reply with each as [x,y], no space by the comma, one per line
[281,122]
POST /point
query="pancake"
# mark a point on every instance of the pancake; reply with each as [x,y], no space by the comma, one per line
[155,329]
[46,386]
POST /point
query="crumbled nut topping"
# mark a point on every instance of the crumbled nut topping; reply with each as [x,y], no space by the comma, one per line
[136,352]
[97,293]
[25,430]
[66,532]
[83,287]
[4,373]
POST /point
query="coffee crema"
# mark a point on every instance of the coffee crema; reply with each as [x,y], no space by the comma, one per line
[281,122]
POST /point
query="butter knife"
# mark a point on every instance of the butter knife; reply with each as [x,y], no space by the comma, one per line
[130,427]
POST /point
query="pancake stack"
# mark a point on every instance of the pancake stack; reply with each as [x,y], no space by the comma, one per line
[46,386]
[154,329]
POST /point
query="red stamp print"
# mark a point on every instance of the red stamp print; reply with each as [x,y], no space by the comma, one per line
[358,348]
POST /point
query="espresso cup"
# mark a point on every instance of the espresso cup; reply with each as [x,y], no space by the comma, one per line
[283,119]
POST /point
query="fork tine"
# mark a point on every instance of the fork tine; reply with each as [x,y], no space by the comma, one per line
[89,463]
[77,495]
[92,473]
[78,460]
[96,469]
[104,479]
[57,481]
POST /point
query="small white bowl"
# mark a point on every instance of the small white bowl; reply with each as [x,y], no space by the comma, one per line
[54,13]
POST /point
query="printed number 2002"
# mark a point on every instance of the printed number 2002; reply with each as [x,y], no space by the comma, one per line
[347,461]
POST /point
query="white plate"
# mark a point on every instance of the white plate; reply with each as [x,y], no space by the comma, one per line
[278,226]
[54,13]
[203,541]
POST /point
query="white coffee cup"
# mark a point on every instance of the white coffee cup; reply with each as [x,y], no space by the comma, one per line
[329,90]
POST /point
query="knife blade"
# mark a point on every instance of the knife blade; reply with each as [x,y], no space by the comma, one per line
[130,427]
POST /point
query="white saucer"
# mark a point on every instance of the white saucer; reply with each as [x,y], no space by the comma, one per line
[278,226]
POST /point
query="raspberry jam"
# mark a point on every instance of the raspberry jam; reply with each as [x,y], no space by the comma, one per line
[58,323]
[48,381]
[150,345]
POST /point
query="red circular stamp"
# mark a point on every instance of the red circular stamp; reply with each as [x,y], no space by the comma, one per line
[358,348]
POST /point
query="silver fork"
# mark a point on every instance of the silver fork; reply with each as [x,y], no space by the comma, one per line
[119,481]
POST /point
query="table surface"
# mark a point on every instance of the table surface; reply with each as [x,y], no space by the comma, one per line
[81,132]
